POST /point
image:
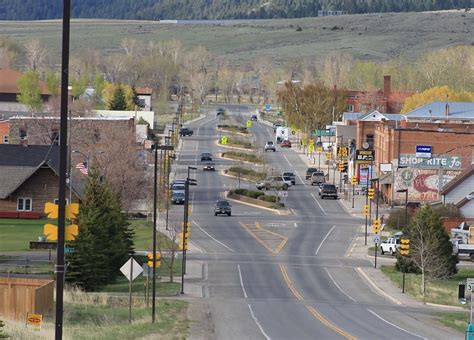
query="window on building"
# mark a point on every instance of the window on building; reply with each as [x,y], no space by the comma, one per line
[56,201]
[5,139]
[23,204]
[370,139]
[350,108]
[23,134]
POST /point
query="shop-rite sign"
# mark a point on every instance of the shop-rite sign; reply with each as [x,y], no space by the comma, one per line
[452,162]
[365,156]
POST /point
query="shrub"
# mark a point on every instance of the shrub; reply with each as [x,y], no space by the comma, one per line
[271,198]
[240,191]
[255,194]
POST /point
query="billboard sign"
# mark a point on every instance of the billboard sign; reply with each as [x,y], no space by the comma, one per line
[449,162]
[423,151]
[365,156]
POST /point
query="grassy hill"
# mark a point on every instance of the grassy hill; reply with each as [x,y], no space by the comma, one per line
[376,37]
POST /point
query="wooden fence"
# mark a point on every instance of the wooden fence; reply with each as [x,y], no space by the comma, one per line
[19,296]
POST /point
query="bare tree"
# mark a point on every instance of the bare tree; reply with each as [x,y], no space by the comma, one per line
[336,69]
[9,51]
[35,54]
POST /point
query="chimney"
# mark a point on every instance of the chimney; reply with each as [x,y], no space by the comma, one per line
[446,110]
[386,86]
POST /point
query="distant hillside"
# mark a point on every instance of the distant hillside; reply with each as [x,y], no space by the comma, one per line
[213,9]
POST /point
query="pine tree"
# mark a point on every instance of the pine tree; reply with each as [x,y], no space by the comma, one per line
[2,333]
[118,102]
[104,241]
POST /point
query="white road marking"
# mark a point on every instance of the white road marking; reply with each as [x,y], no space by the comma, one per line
[337,286]
[241,281]
[320,206]
[258,323]
[213,238]
[296,226]
[287,159]
[324,239]
[397,327]
[304,182]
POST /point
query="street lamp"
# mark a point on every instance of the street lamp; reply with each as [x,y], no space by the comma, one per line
[155,147]
[185,226]
[406,206]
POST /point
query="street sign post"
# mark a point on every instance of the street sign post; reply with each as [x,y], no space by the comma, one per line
[248,124]
[423,151]
[377,239]
[131,270]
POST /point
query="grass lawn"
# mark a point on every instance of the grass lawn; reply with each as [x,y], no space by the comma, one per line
[108,319]
[142,239]
[139,285]
[437,291]
[454,320]
[15,234]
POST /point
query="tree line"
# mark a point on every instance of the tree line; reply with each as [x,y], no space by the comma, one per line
[204,9]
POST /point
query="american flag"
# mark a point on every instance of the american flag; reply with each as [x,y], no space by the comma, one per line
[82,168]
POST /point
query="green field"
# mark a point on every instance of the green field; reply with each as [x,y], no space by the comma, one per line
[17,234]
[377,37]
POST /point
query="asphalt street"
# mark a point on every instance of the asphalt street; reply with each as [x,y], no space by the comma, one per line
[270,276]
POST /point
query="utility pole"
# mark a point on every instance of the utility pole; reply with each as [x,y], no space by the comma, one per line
[185,227]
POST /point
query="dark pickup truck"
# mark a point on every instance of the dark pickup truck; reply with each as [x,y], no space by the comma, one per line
[185,132]
[309,172]
[328,190]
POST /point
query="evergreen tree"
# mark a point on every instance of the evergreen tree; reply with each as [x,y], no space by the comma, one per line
[2,333]
[118,102]
[431,251]
[104,241]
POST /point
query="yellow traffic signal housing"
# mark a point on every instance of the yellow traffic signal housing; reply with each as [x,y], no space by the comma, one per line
[51,232]
[366,210]
[150,259]
[354,180]
[404,246]
[341,166]
[371,193]
[186,237]
[51,209]
[376,226]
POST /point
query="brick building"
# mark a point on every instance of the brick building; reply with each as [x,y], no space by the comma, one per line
[4,131]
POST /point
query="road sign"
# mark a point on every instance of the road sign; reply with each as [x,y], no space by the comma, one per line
[342,152]
[377,239]
[34,321]
[311,148]
[470,284]
[328,156]
[267,107]
[68,250]
[423,151]
[248,123]
[136,269]
[283,193]
[365,156]
[319,149]
[224,140]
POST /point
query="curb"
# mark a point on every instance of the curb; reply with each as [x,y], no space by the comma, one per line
[376,288]
[235,133]
[275,211]
[195,119]
[446,306]
[238,160]
[232,147]
[245,179]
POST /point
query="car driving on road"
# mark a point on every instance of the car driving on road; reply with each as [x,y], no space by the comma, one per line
[222,207]
[209,166]
[206,157]
[291,176]
[285,144]
[317,178]
[277,182]
[328,190]
[270,146]
[185,132]
[309,172]
[177,197]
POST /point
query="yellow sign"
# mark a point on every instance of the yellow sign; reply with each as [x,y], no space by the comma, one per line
[354,180]
[248,123]
[224,140]
[328,156]
[311,142]
[34,321]
[311,148]
[320,149]
[342,151]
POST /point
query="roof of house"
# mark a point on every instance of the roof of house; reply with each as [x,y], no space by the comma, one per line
[18,163]
[9,79]
[144,90]
[367,115]
[437,110]
[458,180]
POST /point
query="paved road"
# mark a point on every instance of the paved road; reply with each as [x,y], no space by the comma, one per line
[267,276]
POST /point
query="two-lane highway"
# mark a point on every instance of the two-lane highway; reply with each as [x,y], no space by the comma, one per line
[271,276]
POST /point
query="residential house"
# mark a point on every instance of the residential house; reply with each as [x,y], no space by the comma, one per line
[442,112]
[460,192]
[29,179]
[144,97]
[9,91]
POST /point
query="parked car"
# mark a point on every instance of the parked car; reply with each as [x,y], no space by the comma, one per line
[186,132]
[253,118]
[277,182]
[291,176]
[206,157]
[309,172]
[329,190]
[209,166]
[270,146]
[222,207]
[285,144]
[177,197]
[317,178]
[390,245]
[220,111]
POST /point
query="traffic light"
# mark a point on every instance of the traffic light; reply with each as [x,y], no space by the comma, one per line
[366,210]
[185,242]
[371,193]
[376,226]
[405,246]
[51,230]
[354,180]
[341,166]
[149,255]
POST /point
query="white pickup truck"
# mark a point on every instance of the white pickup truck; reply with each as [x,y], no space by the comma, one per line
[390,245]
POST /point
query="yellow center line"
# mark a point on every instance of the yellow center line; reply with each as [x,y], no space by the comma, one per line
[317,315]
[257,238]
[257,226]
